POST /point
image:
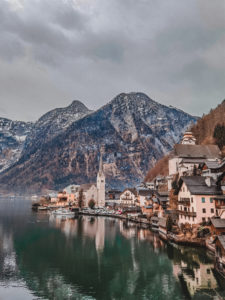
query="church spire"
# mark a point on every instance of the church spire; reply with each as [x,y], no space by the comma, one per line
[100,161]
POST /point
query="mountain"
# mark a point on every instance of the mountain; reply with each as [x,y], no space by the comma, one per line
[52,124]
[12,138]
[18,138]
[135,130]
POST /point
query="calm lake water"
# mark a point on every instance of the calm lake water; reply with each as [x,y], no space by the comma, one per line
[46,257]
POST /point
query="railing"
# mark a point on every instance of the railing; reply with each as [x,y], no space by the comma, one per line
[218,206]
[184,201]
[187,213]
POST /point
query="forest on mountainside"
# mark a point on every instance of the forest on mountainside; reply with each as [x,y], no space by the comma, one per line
[210,129]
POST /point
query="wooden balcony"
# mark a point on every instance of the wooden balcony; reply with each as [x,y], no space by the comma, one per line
[185,201]
[219,206]
[187,213]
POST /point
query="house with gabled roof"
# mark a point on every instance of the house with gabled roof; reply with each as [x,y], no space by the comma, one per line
[196,199]
[187,156]
[128,197]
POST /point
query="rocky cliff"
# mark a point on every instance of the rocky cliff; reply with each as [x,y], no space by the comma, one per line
[135,130]
[12,137]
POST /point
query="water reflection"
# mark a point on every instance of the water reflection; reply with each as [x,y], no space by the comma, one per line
[51,257]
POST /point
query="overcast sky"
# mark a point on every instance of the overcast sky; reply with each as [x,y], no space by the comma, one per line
[56,51]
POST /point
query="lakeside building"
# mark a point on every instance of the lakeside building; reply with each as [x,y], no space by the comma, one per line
[112,197]
[217,226]
[213,169]
[129,197]
[196,199]
[187,156]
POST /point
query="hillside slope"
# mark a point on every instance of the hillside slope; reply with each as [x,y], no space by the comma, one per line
[135,130]
[203,130]
[12,138]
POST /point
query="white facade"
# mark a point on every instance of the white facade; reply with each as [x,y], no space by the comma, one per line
[188,138]
[127,198]
[101,185]
[194,209]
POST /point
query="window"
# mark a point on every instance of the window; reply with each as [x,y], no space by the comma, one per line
[193,219]
[212,210]
[203,219]
[191,199]
[204,210]
[208,271]
[211,200]
[192,209]
[203,200]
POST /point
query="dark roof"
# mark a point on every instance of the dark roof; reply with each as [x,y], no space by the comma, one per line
[193,160]
[215,164]
[197,185]
[86,186]
[222,240]
[145,192]
[132,190]
[218,223]
[196,151]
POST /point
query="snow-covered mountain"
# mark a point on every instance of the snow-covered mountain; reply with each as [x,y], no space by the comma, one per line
[18,138]
[12,138]
[52,124]
[135,130]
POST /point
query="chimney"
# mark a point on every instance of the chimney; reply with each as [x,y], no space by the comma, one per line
[208,181]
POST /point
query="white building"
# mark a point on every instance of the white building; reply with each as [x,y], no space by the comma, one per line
[186,156]
[128,197]
[196,199]
[101,184]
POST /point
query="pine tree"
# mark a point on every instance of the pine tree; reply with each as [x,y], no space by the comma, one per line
[219,135]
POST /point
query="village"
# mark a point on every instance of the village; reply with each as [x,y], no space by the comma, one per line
[186,207]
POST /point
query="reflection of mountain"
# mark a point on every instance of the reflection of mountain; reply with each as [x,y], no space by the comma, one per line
[126,268]
[96,258]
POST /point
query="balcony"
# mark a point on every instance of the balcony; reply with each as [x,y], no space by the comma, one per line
[220,206]
[187,213]
[185,201]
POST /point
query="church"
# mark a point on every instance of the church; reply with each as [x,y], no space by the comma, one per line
[91,191]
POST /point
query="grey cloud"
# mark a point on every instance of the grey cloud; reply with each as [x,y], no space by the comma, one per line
[94,49]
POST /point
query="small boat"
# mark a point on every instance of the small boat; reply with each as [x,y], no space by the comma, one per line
[63,212]
[42,208]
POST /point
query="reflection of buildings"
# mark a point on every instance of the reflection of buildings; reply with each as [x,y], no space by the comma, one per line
[196,278]
[100,234]
[91,227]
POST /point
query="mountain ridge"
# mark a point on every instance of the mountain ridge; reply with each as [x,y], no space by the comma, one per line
[135,130]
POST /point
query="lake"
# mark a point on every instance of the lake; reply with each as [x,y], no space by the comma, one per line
[47,257]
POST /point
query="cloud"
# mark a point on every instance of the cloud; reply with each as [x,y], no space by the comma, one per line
[93,49]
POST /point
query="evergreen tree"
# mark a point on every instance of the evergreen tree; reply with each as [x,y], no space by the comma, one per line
[91,204]
[219,135]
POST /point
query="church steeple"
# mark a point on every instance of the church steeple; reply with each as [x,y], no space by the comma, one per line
[101,182]
[100,172]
